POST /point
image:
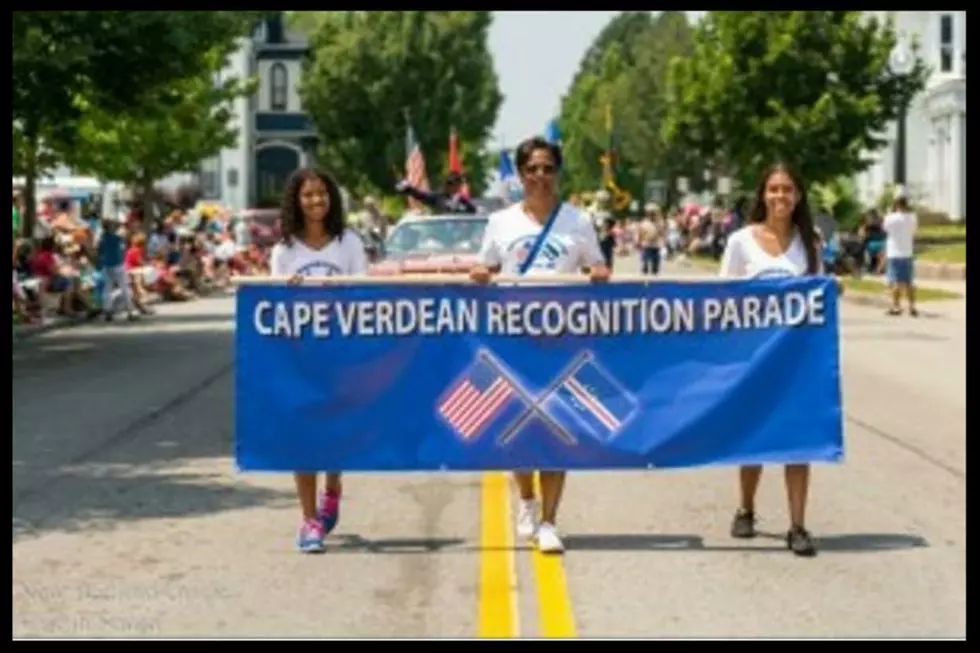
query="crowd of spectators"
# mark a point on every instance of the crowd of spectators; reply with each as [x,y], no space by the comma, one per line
[82,265]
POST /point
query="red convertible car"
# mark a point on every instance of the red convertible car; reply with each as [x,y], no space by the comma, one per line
[445,244]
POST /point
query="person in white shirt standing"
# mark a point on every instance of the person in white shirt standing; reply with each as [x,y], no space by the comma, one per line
[780,240]
[511,246]
[900,226]
[316,243]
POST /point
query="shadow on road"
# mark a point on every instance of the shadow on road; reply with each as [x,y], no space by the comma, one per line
[132,423]
[849,543]
[391,546]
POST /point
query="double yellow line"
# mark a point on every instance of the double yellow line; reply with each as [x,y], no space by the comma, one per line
[498,612]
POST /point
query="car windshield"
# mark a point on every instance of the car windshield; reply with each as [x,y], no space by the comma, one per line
[437,235]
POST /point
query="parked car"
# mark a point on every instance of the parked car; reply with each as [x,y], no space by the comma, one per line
[263,225]
[432,244]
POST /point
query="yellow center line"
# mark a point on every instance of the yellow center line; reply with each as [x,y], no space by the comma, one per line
[498,577]
[554,603]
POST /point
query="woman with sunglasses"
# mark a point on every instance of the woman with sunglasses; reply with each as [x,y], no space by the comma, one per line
[570,245]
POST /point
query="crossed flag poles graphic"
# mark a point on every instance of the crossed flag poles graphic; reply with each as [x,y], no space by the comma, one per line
[486,388]
[535,405]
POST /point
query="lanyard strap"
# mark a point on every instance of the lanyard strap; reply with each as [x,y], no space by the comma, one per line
[539,241]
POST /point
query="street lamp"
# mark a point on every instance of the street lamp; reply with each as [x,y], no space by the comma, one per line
[901,63]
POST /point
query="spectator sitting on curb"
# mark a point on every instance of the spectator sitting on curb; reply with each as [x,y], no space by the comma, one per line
[137,271]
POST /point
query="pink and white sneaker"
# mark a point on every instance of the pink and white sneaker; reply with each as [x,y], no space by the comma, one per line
[310,539]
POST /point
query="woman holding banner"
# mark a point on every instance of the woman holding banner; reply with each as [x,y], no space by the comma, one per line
[316,243]
[514,244]
[779,240]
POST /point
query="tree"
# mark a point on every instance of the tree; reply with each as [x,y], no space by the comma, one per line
[65,61]
[810,87]
[373,73]
[623,31]
[635,49]
[187,122]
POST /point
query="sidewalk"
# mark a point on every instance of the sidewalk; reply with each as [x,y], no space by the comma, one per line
[24,331]
[946,308]
[957,286]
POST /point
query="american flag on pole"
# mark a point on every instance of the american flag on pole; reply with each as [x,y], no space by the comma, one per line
[597,400]
[477,398]
[414,166]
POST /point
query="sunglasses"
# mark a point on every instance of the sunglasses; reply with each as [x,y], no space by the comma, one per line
[543,169]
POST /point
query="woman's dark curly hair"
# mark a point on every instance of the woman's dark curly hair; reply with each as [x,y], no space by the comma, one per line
[292,215]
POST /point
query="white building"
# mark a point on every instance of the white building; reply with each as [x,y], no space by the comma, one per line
[936,124]
[275,136]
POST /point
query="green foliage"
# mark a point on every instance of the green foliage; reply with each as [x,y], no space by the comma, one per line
[839,198]
[117,62]
[626,69]
[809,87]
[172,134]
[370,69]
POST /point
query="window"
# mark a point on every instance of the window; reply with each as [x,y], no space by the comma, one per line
[946,43]
[278,83]
[210,181]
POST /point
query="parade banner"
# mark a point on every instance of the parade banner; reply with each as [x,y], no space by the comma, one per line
[413,377]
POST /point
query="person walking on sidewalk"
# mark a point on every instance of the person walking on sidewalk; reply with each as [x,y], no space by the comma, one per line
[111,255]
[651,239]
[900,226]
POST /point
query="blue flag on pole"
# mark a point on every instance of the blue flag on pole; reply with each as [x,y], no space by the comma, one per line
[408,377]
[551,133]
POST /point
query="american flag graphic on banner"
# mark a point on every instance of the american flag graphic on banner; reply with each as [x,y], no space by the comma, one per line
[473,402]
[415,166]
[597,400]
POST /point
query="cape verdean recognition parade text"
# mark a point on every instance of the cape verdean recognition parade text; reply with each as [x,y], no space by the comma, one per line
[586,317]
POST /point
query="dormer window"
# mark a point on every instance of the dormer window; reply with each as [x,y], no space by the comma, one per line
[278,87]
[274,30]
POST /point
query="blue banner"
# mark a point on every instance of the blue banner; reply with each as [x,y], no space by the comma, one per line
[379,377]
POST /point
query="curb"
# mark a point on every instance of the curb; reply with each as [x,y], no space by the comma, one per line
[27,332]
[874,301]
[940,271]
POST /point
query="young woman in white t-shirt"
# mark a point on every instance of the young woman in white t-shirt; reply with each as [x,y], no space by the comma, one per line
[779,240]
[572,246]
[316,243]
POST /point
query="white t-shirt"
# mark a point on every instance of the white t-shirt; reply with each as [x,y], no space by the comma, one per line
[900,231]
[744,257]
[510,234]
[343,256]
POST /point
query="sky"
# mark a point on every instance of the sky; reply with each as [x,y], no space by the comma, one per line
[536,55]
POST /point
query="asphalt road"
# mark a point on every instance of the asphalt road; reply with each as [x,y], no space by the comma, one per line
[130,519]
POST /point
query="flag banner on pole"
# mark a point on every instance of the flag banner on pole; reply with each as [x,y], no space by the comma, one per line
[431,376]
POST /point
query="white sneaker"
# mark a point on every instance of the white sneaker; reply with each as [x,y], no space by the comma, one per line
[527,519]
[548,539]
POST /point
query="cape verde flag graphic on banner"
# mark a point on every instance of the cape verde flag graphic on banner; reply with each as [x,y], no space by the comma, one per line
[592,396]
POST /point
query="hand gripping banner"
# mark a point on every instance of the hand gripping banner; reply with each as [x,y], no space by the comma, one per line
[396,376]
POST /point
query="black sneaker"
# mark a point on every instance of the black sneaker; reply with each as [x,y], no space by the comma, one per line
[743,525]
[798,541]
